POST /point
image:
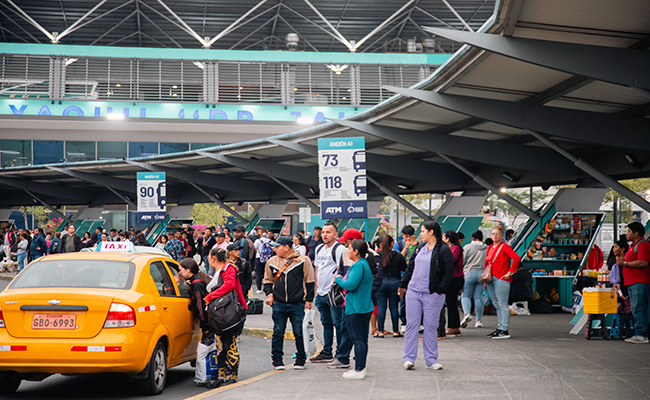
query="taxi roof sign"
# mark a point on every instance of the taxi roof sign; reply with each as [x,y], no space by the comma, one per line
[128,247]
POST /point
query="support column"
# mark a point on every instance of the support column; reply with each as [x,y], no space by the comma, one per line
[220,203]
[295,193]
[355,85]
[400,200]
[211,82]
[286,90]
[591,170]
[49,207]
[57,78]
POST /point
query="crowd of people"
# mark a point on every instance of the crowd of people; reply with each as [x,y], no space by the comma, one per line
[354,284]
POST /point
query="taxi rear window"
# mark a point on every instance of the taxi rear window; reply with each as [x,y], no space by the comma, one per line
[76,273]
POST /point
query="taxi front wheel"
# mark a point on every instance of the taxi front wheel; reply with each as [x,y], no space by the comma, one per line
[154,382]
[9,383]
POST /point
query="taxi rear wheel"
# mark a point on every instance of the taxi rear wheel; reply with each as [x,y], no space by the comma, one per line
[154,382]
[9,383]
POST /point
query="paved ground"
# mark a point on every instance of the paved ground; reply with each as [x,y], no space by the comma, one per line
[541,361]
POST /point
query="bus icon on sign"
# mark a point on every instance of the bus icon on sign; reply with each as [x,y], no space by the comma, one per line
[360,184]
[359,160]
[161,192]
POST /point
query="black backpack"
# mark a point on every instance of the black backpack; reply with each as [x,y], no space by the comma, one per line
[225,312]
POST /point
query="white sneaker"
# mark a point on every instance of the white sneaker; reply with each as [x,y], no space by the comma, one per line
[637,339]
[258,292]
[478,324]
[435,366]
[355,374]
[466,319]
[402,329]
[408,365]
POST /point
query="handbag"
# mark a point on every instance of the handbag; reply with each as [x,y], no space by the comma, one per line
[335,296]
[225,312]
[486,276]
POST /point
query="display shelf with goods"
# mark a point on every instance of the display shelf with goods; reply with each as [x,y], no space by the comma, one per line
[559,252]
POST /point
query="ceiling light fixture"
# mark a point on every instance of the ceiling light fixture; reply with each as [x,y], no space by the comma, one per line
[336,68]
[503,190]
[404,186]
[69,61]
[312,191]
[509,176]
[199,64]
[634,162]
[115,116]
[305,121]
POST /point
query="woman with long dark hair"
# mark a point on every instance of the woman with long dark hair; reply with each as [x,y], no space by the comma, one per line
[427,278]
[392,264]
[451,295]
[224,281]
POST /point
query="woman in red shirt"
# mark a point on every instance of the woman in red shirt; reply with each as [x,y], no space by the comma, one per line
[229,356]
[457,283]
[504,262]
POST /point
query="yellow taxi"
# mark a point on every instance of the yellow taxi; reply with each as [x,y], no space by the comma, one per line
[89,312]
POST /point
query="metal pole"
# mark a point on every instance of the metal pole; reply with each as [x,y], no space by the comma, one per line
[615,218]
[531,197]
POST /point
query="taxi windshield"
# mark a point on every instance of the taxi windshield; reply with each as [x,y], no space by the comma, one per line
[76,273]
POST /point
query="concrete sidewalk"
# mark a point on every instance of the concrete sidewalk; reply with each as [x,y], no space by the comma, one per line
[8,276]
[540,361]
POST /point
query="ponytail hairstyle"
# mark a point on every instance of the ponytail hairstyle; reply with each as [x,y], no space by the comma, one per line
[453,239]
[219,253]
[386,250]
[437,232]
[478,235]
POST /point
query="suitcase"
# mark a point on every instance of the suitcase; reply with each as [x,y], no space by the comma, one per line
[255,306]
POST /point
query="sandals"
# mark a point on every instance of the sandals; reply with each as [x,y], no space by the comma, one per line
[397,334]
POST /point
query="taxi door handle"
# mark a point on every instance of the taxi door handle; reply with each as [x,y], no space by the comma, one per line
[164,306]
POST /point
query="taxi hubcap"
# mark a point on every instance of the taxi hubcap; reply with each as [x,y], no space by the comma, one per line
[159,368]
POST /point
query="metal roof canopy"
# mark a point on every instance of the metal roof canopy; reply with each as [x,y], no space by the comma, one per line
[485,119]
[332,25]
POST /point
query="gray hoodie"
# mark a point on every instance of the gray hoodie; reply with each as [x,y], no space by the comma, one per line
[474,256]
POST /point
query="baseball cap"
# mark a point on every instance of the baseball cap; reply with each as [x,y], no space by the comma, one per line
[240,228]
[220,234]
[233,246]
[282,241]
[350,234]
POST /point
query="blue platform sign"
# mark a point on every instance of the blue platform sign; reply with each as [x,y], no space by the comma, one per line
[152,198]
[342,177]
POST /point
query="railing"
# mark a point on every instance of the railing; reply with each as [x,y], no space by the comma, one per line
[202,81]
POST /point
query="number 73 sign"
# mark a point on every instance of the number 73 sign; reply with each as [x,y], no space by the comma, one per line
[342,177]
[152,197]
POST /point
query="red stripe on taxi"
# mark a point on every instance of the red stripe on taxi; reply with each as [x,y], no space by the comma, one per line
[13,348]
[96,349]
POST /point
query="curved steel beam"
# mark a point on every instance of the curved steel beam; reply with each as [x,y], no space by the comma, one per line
[625,67]
[585,126]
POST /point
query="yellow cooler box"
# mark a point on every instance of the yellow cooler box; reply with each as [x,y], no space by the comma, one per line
[598,301]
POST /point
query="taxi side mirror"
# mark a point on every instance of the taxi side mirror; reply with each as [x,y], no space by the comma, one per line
[189,306]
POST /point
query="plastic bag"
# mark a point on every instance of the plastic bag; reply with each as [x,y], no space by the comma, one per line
[206,362]
[308,332]
[485,298]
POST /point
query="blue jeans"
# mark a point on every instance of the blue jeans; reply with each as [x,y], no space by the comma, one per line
[324,310]
[473,289]
[281,312]
[343,341]
[640,301]
[22,261]
[388,292]
[499,291]
[359,326]
[208,269]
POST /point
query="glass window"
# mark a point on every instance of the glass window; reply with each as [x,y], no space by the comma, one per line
[198,146]
[161,279]
[142,149]
[111,150]
[76,273]
[183,286]
[79,151]
[15,153]
[166,148]
[48,151]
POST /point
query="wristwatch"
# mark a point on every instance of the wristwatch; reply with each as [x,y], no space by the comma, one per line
[625,263]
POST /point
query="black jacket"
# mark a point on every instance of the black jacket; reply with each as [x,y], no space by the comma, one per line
[441,273]
[78,244]
[295,285]
[197,294]
[245,275]
[396,265]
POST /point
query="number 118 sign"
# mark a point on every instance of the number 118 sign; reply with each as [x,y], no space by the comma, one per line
[342,177]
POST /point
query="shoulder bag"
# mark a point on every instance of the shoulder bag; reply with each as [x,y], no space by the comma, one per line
[225,312]
[486,276]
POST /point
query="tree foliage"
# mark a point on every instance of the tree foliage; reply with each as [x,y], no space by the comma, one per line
[209,214]
[640,186]
[494,202]
[40,214]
